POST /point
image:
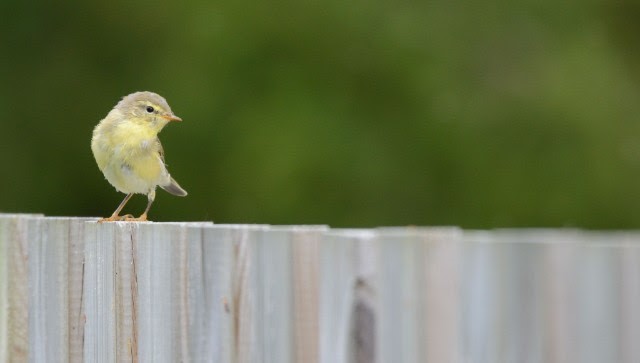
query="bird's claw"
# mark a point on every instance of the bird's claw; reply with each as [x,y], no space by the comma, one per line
[110,219]
[130,218]
[124,218]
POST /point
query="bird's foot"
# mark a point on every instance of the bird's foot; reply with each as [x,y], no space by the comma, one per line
[115,218]
[130,218]
[110,219]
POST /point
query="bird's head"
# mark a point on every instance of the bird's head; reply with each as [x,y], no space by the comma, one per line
[148,109]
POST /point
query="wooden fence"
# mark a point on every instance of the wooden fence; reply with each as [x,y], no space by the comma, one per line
[72,290]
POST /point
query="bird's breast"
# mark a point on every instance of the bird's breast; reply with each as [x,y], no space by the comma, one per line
[129,157]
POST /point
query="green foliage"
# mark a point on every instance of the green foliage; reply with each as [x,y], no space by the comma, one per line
[479,114]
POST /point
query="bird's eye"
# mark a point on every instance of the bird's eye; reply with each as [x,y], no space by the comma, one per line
[150,109]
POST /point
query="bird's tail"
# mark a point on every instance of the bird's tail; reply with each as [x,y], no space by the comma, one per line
[174,188]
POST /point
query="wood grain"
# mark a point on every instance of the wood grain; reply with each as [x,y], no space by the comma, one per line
[75,290]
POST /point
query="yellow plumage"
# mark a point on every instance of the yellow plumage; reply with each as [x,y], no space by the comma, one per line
[127,150]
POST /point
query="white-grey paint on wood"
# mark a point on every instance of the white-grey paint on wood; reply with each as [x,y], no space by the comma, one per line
[48,317]
[4,287]
[163,261]
[419,288]
[14,301]
[210,288]
[99,300]
[75,279]
[305,246]
[629,272]
[348,296]
[75,290]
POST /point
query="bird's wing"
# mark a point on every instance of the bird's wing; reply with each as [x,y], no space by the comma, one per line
[173,187]
[160,150]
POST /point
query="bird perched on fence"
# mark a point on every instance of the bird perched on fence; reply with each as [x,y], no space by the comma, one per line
[126,147]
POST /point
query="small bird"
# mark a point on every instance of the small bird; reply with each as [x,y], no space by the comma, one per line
[126,147]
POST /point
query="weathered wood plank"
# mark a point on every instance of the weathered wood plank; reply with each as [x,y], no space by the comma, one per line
[164,304]
[272,281]
[419,309]
[559,266]
[125,243]
[599,323]
[14,238]
[75,278]
[504,286]
[56,252]
[305,247]
[75,290]
[348,296]
[278,312]
[629,273]
[210,287]
[4,287]
[156,247]
[48,313]
[99,293]
[245,296]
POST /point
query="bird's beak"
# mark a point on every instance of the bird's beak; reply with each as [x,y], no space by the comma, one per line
[171,118]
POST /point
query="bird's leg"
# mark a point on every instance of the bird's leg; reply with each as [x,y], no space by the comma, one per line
[115,216]
[143,217]
[151,197]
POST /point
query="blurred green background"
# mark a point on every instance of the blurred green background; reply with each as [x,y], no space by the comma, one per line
[361,113]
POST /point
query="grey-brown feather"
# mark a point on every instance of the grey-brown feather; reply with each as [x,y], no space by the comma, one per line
[174,188]
[160,150]
[129,101]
